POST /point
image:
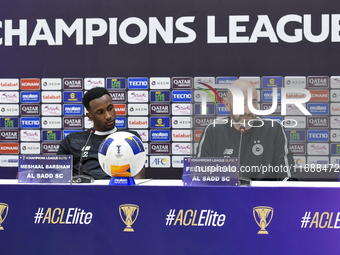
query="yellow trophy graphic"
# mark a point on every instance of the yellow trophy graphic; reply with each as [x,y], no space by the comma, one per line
[3,213]
[128,214]
[261,215]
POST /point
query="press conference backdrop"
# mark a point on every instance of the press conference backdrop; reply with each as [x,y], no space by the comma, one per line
[153,57]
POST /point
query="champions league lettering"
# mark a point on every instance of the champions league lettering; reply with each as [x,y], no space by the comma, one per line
[115,30]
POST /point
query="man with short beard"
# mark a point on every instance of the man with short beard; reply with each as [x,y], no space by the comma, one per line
[264,154]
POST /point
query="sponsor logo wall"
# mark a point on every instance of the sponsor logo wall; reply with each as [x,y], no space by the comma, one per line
[36,114]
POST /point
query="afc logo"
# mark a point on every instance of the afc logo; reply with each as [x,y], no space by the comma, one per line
[160,161]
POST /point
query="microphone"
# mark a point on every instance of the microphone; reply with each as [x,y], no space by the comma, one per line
[243,181]
[81,178]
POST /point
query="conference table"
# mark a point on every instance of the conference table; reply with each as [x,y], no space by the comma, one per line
[165,217]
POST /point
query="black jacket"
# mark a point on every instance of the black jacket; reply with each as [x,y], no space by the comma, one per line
[265,153]
[73,144]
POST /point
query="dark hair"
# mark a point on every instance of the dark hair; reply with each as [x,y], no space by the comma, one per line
[94,93]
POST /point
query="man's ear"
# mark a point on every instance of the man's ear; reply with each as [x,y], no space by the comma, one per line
[89,116]
[226,103]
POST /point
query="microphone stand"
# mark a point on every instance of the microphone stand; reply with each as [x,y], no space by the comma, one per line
[81,178]
[243,181]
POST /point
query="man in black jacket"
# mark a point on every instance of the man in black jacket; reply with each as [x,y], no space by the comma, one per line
[101,111]
[264,154]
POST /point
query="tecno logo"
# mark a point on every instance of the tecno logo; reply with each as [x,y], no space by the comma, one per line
[182,96]
[318,135]
[138,83]
[30,122]
[322,134]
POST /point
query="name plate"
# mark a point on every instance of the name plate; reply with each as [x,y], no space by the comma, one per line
[45,169]
[210,171]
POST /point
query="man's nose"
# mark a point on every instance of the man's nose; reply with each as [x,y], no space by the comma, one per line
[107,115]
[246,109]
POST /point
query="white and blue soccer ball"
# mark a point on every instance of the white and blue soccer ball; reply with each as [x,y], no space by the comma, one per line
[121,154]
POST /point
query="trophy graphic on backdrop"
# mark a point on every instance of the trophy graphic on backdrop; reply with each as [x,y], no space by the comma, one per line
[128,214]
[3,213]
[261,215]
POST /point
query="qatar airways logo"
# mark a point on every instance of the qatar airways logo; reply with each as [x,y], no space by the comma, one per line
[181,82]
[9,135]
[73,83]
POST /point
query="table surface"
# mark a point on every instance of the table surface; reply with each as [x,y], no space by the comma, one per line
[42,217]
[160,182]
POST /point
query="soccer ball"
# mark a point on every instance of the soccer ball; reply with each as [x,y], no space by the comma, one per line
[121,154]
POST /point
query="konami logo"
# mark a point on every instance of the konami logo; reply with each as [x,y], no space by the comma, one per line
[197,135]
[9,148]
[30,84]
[120,109]
[319,95]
